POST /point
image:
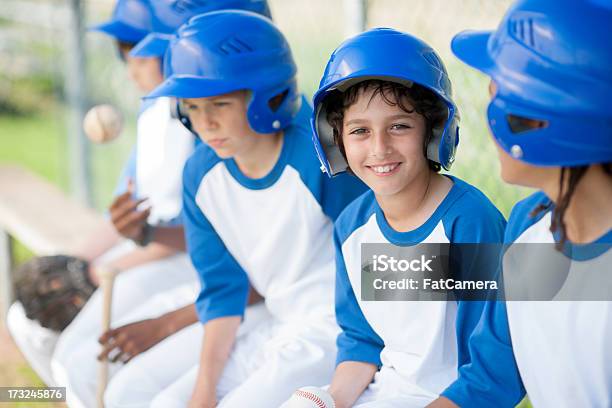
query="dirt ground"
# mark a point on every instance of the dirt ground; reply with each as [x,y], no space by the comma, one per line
[15,371]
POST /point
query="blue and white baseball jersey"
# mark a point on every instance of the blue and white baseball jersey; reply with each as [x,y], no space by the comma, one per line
[423,341]
[156,162]
[558,351]
[275,231]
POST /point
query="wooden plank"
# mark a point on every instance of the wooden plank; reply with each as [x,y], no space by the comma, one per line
[41,215]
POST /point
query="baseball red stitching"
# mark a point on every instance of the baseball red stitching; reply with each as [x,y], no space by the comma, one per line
[314,398]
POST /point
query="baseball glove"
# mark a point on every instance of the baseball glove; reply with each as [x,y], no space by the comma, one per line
[53,289]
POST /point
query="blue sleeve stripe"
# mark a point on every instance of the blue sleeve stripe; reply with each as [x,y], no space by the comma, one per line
[357,341]
[491,379]
[224,284]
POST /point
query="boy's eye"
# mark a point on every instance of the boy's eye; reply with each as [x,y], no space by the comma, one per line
[400,126]
[358,131]
[220,103]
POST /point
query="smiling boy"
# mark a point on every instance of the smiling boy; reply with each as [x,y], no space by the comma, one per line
[257,209]
[384,111]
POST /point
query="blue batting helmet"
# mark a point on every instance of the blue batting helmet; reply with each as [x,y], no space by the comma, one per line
[389,55]
[131,21]
[211,57]
[552,62]
[169,15]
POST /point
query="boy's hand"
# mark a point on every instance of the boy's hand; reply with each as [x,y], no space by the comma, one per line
[126,342]
[350,380]
[203,398]
[127,219]
[443,402]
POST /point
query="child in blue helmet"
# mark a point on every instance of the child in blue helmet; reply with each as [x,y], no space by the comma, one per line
[130,23]
[384,112]
[257,209]
[171,14]
[154,172]
[549,64]
[163,145]
[139,337]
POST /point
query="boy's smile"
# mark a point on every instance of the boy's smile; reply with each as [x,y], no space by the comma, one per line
[383,143]
[385,169]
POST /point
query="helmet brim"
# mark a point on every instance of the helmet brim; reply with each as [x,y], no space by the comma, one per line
[471,48]
[185,86]
[120,31]
[153,45]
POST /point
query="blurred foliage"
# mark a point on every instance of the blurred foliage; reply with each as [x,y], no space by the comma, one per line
[28,96]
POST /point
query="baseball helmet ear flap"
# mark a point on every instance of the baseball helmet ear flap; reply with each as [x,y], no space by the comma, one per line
[274,108]
[328,151]
[444,141]
[177,111]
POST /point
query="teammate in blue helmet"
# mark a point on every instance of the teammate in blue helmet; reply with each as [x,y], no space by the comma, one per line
[155,168]
[550,64]
[257,209]
[426,71]
[131,22]
[153,172]
[384,111]
[169,15]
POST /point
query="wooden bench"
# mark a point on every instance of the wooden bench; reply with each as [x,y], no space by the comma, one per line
[42,217]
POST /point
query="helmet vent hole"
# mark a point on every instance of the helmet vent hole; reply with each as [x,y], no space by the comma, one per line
[275,102]
[520,124]
[233,45]
[522,30]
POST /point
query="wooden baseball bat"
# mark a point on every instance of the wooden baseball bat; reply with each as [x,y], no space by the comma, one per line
[106,277]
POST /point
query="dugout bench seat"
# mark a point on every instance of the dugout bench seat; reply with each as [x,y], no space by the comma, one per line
[41,217]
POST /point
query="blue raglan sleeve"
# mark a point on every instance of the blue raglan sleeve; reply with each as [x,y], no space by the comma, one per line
[224,284]
[480,236]
[340,191]
[357,341]
[488,375]
[491,379]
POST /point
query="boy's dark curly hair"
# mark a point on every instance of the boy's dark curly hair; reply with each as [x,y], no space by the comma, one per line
[123,48]
[423,101]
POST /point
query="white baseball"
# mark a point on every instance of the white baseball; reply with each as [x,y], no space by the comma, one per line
[310,397]
[103,123]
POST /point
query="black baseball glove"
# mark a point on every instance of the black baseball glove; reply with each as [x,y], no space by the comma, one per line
[53,289]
